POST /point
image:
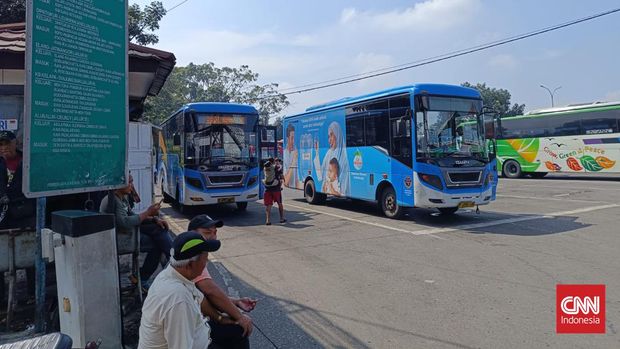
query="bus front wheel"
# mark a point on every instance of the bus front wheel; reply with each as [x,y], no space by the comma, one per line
[242,206]
[389,205]
[311,195]
[167,198]
[512,169]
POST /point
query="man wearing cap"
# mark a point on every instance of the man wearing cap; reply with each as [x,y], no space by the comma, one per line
[229,327]
[171,316]
[21,211]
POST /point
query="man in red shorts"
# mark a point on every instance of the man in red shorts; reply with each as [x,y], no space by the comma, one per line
[274,193]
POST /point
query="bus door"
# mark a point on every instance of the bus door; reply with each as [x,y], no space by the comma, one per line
[491,127]
[268,148]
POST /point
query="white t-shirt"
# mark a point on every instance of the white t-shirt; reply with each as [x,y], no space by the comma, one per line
[171,316]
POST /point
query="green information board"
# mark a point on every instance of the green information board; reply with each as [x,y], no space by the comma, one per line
[75,134]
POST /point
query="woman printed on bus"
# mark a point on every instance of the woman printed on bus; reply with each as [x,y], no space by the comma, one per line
[290,159]
[338,151]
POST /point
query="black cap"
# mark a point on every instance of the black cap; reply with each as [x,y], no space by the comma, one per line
[204,221]
[7,136]
[190,244]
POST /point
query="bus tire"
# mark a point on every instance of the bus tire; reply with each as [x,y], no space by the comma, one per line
[446,211]
[389,205]
[511,169]
[180,207]
[167,198]
[242,206]
[311,195]
[538,175]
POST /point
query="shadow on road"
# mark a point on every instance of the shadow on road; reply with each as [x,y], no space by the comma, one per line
[282,323]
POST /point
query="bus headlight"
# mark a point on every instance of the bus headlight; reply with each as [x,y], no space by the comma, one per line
[194,182]
[432,180]
[252,180]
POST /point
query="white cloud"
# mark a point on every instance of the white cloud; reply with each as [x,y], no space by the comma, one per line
[431,15]
[504,62]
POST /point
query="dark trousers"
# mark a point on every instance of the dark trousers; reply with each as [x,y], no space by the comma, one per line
[227,337]
[160,243]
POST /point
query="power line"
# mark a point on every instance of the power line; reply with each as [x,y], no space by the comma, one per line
[435,59]
[177,5]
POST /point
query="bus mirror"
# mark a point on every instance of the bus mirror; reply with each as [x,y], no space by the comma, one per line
[176,139]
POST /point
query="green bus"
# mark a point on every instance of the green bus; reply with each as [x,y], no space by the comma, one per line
[573,139]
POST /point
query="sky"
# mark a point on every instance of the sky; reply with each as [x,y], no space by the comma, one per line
[294,43]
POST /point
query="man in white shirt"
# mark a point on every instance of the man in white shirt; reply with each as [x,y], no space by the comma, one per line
[171,316]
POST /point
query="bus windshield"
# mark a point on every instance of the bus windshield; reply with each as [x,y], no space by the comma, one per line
[222,142]
[451,128]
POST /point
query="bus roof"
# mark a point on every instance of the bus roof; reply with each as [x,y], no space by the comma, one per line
[572,107]
[215,107]
[431,89]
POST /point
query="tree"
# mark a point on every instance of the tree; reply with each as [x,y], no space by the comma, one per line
[12,11]
[141,22]
[497,99]
[208,83]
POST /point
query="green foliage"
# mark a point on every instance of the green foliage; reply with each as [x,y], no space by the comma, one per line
[12,11]
[142,22]
[208,83]
[498,99]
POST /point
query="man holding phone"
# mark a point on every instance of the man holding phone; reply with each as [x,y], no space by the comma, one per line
[151,227]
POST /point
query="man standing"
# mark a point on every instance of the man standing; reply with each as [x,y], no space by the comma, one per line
[171,316]
[21,211]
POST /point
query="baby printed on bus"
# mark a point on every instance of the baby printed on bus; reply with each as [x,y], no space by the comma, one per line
[331,185]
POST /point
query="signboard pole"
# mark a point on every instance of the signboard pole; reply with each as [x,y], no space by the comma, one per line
[40,270]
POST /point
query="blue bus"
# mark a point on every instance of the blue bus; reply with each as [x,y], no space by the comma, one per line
[424,145]
[209,155]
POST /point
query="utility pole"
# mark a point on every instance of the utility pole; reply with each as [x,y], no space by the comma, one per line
[551,93]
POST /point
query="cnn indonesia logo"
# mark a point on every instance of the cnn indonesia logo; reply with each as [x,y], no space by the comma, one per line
[580,308]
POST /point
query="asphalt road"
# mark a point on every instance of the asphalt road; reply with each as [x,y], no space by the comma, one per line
[340,275]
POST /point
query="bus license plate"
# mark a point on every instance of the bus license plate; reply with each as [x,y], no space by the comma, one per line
[226,200]
[466,204]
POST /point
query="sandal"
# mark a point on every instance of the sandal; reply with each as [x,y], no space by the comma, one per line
[282,220]
[268,223]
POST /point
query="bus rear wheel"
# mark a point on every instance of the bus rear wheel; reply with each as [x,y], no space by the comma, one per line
[242,206]
[312,197]
[389,205]
[511,169]
[448,210]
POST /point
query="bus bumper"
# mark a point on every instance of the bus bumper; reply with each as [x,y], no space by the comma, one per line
[427,197]
[196,197]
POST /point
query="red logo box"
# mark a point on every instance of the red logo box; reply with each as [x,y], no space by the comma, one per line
[580,308]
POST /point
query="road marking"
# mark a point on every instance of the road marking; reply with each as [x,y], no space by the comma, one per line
[548,198]
[515,220]
[433,231]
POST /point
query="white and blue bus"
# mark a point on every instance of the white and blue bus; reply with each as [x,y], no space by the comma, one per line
[208,155]
[424,145]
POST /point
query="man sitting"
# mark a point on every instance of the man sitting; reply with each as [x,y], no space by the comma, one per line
[149,223]
[229,327]
[171,316]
